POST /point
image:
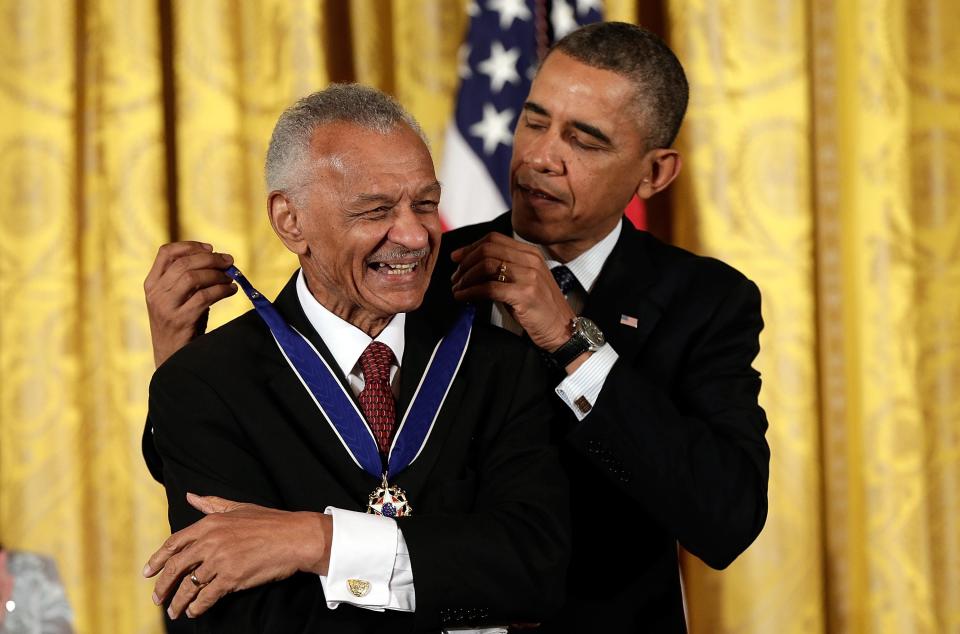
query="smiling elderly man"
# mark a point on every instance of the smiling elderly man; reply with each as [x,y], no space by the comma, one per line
[403,456]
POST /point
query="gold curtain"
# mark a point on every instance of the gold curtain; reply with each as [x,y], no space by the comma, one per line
[823,159]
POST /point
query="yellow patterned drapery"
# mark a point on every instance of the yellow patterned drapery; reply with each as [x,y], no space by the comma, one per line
[822,155]
[823,159]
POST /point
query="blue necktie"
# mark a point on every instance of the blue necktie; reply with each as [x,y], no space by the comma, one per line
[566,280]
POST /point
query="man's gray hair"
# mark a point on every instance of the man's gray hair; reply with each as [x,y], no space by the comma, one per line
[351,103]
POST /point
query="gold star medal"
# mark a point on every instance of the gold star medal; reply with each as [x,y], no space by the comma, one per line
[389,501]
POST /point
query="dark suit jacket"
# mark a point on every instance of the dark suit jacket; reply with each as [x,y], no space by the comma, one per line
[489,535]
[674,448]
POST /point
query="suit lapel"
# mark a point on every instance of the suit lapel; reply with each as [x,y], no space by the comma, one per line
[623,291]
[292,396]
[424,329]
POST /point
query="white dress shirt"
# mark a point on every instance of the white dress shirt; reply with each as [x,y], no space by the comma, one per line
[366,547]
[580,389]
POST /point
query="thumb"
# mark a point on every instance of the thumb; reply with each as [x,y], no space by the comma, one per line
[208,504]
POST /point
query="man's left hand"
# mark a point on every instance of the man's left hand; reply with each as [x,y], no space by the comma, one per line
[236,546]
[528,291]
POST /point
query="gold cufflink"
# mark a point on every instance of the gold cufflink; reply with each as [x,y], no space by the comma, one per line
[358,587]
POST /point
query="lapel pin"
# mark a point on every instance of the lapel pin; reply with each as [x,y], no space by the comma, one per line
[627,320]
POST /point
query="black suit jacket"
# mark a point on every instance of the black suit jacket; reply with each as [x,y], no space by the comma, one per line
[489,535]
[674,448]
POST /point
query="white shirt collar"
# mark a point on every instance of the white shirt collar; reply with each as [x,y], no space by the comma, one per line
[345,341]
[586,267]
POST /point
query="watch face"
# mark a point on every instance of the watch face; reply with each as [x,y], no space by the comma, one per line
[589,331]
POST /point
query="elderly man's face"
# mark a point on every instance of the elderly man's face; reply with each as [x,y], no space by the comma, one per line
[577,155]
[370,221]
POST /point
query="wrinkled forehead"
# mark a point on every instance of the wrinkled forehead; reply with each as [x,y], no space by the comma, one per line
[352,157]
[340,144]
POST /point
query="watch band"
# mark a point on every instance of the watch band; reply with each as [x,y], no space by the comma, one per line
[573,348]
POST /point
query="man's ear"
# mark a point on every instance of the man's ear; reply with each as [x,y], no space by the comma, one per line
[285,220]
[662,167]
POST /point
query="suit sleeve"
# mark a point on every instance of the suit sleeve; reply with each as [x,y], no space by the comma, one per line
[505,560]
[695,457]
[203,451]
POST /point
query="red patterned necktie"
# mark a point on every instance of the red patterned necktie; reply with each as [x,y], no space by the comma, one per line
[376,398]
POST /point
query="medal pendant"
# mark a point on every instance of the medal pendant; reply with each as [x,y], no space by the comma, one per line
[389,501]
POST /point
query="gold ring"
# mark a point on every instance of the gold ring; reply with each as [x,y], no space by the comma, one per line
[502,274]
[196,582]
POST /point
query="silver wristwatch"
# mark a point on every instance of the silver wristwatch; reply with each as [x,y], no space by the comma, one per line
[586,337]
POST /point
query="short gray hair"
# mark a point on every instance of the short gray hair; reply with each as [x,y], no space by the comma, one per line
[351,103]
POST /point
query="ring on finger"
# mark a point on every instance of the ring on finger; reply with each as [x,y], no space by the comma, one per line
[502,272]
[197,582]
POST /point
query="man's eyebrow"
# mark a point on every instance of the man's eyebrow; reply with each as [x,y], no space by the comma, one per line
[536,108]
[432,188]
[593,131]
[373,198]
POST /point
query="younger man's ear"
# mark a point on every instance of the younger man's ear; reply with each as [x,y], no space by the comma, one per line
[662,166]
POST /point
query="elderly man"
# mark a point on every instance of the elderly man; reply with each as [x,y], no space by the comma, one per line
[339,398]
[652,345]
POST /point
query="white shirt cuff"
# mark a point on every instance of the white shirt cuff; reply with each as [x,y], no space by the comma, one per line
[369,558]
[580,389]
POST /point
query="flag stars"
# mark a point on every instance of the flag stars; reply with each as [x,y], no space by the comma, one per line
[585,6]
[463,61]
[494,128]
[501,66]
[509,11]
[563,18]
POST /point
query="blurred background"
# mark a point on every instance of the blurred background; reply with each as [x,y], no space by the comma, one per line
[821,158]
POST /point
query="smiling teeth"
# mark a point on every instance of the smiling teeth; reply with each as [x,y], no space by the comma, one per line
[397,269]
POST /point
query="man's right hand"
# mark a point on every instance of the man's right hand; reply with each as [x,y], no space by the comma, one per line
[185,280]
[234,547]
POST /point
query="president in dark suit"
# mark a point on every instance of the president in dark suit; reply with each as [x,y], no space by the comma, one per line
[664,437]
[469,528]
[661,432]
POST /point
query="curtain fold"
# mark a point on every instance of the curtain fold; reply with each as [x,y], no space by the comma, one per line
[236,67]
[822,161]
[83,184]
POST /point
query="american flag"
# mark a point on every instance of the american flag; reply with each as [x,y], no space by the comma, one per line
[497,63]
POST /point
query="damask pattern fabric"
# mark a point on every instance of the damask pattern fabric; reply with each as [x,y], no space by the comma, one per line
[821,158]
